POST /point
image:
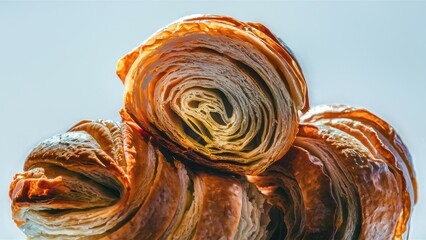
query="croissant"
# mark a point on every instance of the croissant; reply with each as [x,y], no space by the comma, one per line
[220,92]
[102,179]
[347,176]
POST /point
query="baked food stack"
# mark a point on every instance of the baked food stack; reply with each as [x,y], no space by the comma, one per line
[217,143]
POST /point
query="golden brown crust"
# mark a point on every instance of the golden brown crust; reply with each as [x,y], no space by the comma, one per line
[224,94]
[353,176]
[383,143]
[316,191]
[216,91]
[312,195]
[223,195]
[372,178]
[104,180]
[159,207]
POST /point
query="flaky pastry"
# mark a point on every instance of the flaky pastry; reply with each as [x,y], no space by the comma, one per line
[102,179]
[347,176]
[223,93]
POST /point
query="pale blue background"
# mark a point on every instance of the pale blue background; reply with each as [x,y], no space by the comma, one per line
[57,66]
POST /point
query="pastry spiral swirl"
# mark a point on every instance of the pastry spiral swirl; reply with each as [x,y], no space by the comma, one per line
[218,91]
[212,146]
[102,179]
[347,176]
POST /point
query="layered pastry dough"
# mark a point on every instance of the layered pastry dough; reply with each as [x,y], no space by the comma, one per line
[217,91]
[210,93]
[347,176]
[104,180]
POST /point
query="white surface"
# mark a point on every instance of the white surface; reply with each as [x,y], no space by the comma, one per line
[57,66]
